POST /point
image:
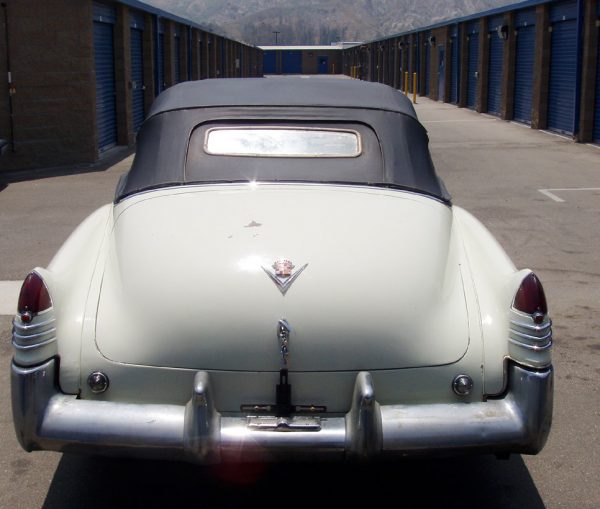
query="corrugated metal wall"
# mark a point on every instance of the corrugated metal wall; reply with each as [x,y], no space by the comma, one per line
[441,71]
[291,62]
[596,131]
[104,60]
[524,64]
[473,69]
[455,63]
[160,56]
[427,51]
[563,67]
[496,65]
[177,55]
[269,62]
[137,27]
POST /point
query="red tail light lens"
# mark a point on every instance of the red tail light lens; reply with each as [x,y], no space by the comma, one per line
[530,297]
[34,297]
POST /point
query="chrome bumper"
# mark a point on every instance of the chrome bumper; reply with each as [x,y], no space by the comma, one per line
[44,418]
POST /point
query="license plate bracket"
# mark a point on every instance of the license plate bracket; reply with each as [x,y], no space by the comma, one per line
[284,424]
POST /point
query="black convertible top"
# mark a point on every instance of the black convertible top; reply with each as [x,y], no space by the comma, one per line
[171,143]
[283,91]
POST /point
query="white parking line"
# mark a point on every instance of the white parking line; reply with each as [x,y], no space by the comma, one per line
[9,294]
[551,195]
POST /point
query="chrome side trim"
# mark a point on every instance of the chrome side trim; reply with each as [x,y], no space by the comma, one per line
[31,327]
[535,348]
[45,418]
[34,346]
[530,337]
[536,328]
[33,337]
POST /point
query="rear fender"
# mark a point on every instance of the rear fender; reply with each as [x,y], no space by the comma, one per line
[69,276]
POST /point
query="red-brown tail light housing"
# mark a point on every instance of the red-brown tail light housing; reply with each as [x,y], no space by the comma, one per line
[34,297]
[531,299]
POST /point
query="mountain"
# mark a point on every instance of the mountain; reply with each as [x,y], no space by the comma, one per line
[318,21]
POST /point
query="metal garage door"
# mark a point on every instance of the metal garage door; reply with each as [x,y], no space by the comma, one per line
[596,132]
[496,61]
[473,69]
[269,62]
[524,64]
[104,60]
[563,67]
[427,61]
[291,62]
[177,56]
[137,68]
[455,64]
[160,57]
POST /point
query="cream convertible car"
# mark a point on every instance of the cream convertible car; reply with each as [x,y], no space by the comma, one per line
[282,273]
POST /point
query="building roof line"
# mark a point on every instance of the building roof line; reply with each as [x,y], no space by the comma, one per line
[137,4]
[453,21]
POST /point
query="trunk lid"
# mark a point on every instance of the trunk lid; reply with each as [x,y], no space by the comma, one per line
[185,283]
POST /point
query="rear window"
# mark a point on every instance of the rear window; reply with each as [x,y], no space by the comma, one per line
[283,150]
[275,141]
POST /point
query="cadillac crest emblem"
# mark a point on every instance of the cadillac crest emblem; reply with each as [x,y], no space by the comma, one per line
[282,273]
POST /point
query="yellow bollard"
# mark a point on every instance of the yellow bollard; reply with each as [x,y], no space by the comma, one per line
[406,82]
[414,88]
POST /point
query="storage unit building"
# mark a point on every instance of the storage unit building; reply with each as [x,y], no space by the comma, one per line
[308,60]
[83,74]
[537,62]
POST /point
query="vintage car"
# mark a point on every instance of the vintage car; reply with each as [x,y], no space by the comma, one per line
[282,274]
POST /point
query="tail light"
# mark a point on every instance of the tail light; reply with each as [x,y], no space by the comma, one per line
[34,297]
[530,298]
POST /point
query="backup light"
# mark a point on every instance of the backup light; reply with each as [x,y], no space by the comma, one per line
[34,297]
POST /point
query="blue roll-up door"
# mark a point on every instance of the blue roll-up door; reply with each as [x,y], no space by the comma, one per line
[104,62]
[441,72]
[495,66]
[177,55]
[524,64]
[291,62]
[269,62]
[455,65]
[473,70]
[596,132]
[160,57]
[563,67]
[137,77]
[427,61]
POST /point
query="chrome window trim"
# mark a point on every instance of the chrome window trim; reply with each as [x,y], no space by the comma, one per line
[359,148]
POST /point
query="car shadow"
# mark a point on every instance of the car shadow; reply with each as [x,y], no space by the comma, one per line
[459,482]
[108,160]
